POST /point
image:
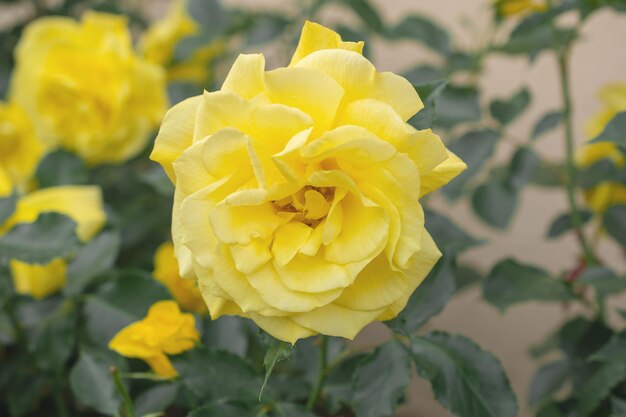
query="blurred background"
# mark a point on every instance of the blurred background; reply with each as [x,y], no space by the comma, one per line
[597,59]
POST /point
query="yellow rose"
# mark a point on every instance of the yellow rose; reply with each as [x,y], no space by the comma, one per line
[508,8]
[297,190]
[85,89]
[20,150]
[184,291]
[83,204]
[165,331]
[608,193]
[158,43]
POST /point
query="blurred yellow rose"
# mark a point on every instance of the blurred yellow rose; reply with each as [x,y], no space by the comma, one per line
[85,89]
[297,190]
[20,150]
[158,43]
[83,204]
[508,8]
[184,291]
[6,185]
[608,193]
[164,331]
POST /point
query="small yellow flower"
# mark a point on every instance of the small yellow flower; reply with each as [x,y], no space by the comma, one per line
[184,291]
[608,193]
[164,331]
[298,190]
[508,8]
[85,89]
[20,150]
[83,204]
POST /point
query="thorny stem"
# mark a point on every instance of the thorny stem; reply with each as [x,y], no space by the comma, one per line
[321,370]
[570,167]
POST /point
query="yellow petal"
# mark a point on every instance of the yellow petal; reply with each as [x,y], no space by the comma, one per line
[38,281]
[219,110]
[6,186]
[308,90]
[363,233]
[241,224]
[425,149]
[350,70]
[249,258]
[421,265]
[288,239]
[282,328]
[276,294]
[176,134]
[316,37]
[399,93]
[161,365]
[82,203]
[376,287]
[335,320]
[246,76]
[442,174]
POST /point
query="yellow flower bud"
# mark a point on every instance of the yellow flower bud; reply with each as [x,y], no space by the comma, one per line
[164,331]
[297,190]
[184,291]
[508,8]
[85,89]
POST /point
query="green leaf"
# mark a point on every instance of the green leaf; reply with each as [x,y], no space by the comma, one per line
[495,204]
[425,31]
[505,111]
[51,236]
[563,223]
[291,410]
[548,122]
[622,313]
[535,34]
[613,351]
[225,409]
[227,333]
[367,13]
[615,131]
[423,74]
[605,281]
[276,351]
[465,379]
[512,283]
[547,381]
[599,386]
[54,339]
[92,384]
[61,167]
[596,173]
[428,300]
[466,276]
[156,178]
[523,165]
[217,375]
[7,207]
[474,147]
[449,237]
[156,399]
[97,257]
[380,380]
[458,104]
[618,406]
[429,93]
[266,28]
[615,223]
[549,174]
[338,387]
[580,337]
